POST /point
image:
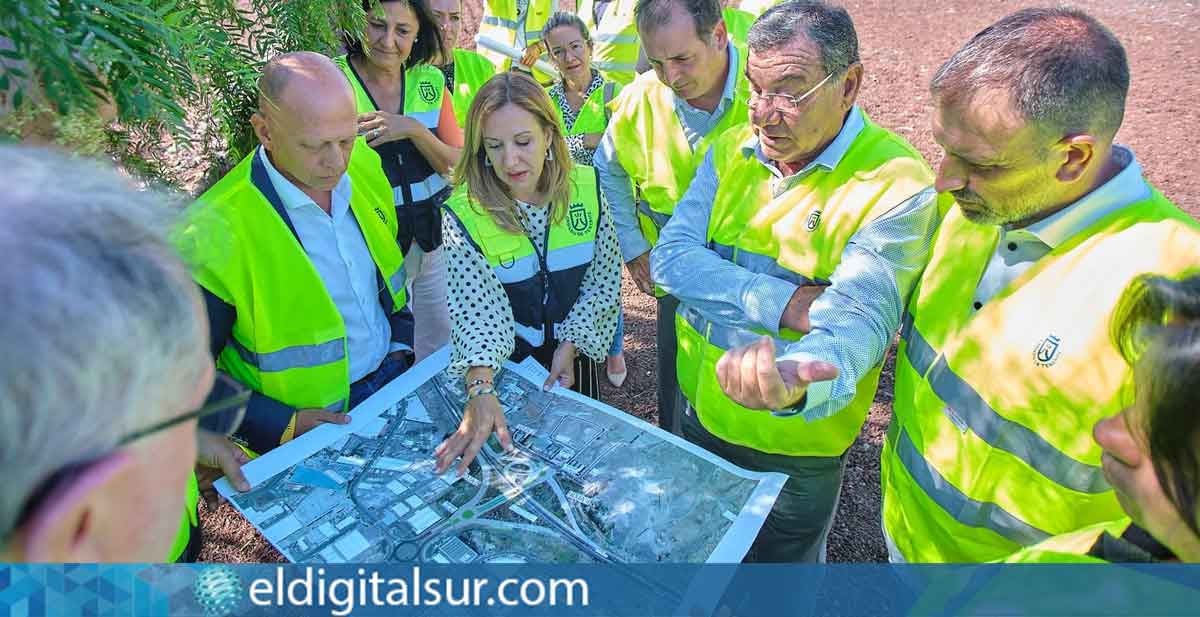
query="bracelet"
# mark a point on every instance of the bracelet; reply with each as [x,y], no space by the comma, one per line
[478,382]
[484,391]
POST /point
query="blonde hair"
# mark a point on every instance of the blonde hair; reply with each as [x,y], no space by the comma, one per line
[484,187]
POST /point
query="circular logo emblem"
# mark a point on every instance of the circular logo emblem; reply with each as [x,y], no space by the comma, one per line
[218,590]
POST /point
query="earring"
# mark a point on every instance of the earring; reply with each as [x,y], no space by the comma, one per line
[549,154]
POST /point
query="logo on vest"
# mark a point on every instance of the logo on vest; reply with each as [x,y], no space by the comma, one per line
[1047,351]
[381,215]
[814,219]
[428,94]
[578,219]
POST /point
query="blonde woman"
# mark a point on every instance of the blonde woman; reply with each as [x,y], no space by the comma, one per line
[532,258]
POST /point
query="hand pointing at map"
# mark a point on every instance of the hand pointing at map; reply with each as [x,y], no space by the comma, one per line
[481,418]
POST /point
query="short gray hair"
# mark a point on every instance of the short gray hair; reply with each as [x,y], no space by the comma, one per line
[652,14]
[1063,70]
[828,26]
[101,324]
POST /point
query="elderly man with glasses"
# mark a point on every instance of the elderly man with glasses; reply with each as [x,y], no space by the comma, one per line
[105,374]
[804,230]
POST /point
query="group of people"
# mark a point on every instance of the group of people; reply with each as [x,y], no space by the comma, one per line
[409,194]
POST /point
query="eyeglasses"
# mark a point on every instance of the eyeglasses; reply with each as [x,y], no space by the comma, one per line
[786,103]
[223,416]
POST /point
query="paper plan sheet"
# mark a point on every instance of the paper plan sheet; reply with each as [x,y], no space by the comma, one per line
[587,483]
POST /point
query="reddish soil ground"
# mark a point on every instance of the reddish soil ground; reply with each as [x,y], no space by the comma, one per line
[902,44]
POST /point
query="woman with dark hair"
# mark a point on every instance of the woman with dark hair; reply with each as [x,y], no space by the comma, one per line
[406,115]
[582,97]
[532,258]
[1151,449]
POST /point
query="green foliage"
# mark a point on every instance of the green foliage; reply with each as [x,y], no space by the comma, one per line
[149,72]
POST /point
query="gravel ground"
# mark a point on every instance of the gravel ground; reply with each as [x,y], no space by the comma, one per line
[901,45]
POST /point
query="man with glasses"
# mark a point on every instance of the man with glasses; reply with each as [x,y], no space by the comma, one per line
[803,231]
[106,358]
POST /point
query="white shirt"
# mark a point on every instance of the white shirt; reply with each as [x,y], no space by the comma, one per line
[1019,249]
[335,246]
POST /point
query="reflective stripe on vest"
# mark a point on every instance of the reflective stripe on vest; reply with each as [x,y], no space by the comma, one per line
[772,235]
[994,409]
[615,39]
[996,430]
[540,297]
[289,340]
[655,151]
[423,190]
[300,356]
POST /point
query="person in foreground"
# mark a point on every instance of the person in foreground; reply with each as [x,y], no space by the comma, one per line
[106,360]
[1005,362]
[533,261]
[295,249]
[1151,449]
[811,199]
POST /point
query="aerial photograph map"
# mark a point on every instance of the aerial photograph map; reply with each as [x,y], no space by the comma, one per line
[586,483]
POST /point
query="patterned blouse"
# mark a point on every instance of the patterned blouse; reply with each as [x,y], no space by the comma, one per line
[579,153]
[482,329]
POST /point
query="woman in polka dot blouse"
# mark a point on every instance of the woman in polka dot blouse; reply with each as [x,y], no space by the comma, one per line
[532,258]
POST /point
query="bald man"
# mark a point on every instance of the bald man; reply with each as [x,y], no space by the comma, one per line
[296,252]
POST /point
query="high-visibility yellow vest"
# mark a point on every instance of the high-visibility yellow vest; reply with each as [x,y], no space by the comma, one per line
[190,520]
[593,116]
[798,236]
[414,179]
[289,341]
[500,24]
[541,289]
[990,447]
[1070,547]
[652,147]
[757,7]
[615,40]
[471,71]
[737,24]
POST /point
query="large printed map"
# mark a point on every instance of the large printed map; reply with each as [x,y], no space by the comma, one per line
[586,483]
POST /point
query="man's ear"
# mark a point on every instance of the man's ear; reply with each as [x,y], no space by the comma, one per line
[720,35]
[63,525]
[259,122]
[851,84]
[1078,154]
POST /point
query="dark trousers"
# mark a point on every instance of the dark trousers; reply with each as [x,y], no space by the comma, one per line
[668,381]
[798,525]
[373,382]
[587,376]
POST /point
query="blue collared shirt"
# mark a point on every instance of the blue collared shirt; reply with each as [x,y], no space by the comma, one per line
[852,321]
[614,181]
[1019,248]
[336,247]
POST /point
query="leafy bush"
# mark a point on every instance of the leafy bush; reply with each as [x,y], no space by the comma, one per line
[155,73]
